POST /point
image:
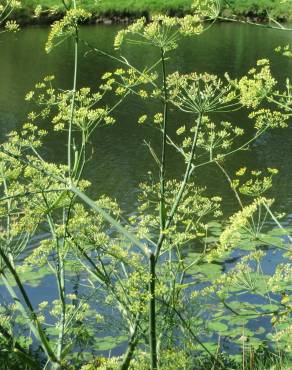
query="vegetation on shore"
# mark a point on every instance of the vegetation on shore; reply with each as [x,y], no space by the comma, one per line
[123,9]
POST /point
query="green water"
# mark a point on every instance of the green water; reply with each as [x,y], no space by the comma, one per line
[121,161]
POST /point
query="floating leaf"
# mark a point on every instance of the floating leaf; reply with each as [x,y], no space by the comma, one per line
[210,270]
[270,307]
[110,342]
[217,326]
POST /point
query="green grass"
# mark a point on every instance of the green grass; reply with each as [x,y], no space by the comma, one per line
[119,6]
[144,5]
[110,8]
[276,8]
[105,8]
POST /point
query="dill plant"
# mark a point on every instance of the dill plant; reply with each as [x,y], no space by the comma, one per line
[138,264]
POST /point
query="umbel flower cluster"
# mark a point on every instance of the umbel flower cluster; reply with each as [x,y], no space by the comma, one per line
[89,110]
[66,27]
[162,32]
[201,93]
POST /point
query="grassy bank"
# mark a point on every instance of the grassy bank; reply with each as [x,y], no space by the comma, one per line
[118,9]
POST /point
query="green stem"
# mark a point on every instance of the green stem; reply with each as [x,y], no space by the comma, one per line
[73,97]
[60,278]
[276,221]
[225,173]
[8,222]
[163,154]
[132,345]
[228,19]
[27,193]
[182,188]
[110,219]
[152,313]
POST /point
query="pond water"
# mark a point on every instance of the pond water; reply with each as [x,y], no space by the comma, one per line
[120,160]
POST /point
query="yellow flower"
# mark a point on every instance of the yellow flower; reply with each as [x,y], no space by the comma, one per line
[158,118]
[142,119]
[181,130]
[273,171]
[11,26]
[241,171]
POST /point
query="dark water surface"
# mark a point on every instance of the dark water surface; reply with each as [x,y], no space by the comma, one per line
[120,160]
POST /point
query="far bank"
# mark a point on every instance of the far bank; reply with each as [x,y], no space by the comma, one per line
[126,11]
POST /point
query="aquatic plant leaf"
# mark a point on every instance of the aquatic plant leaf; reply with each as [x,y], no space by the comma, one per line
[217,326]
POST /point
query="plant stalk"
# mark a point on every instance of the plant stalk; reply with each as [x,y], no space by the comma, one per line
[152,313]
[163,153]
[76,40]
[131,348]
[182,188]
